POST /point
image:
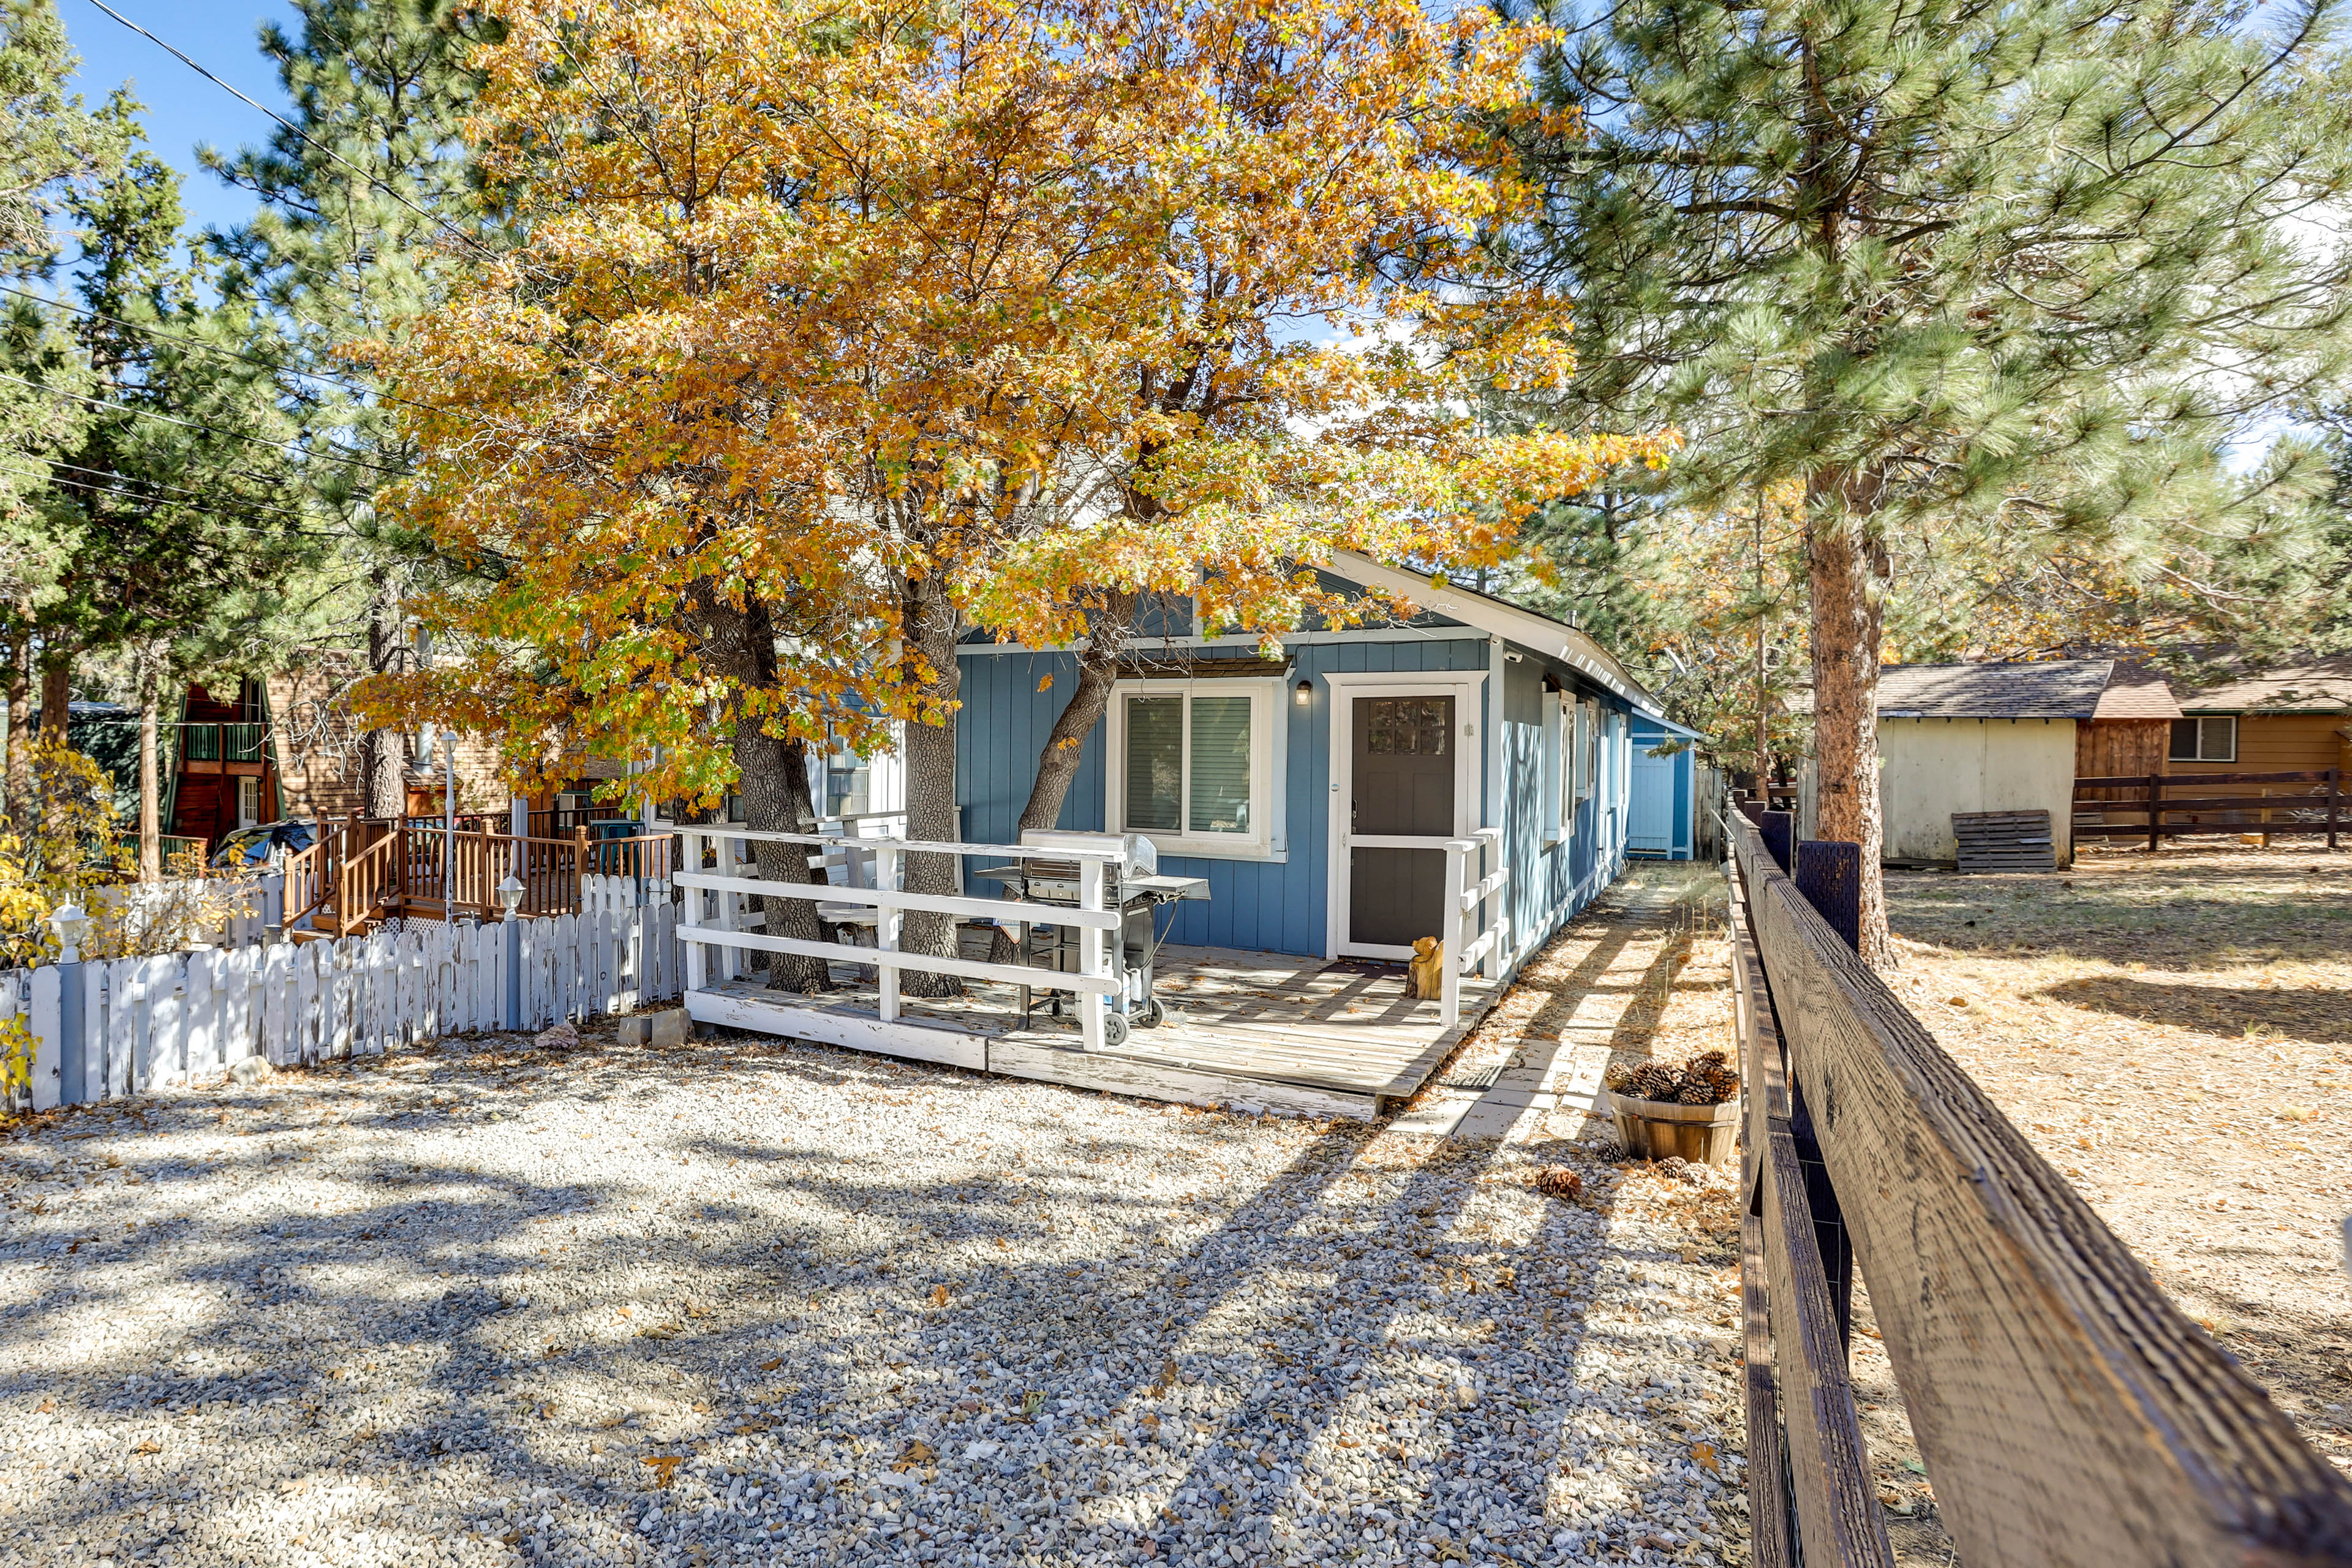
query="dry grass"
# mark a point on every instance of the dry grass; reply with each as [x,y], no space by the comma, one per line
[2175,1033]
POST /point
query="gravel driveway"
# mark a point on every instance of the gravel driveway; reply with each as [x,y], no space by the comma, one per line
[753,1302]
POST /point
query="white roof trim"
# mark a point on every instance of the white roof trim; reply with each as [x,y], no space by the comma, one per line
[1547,636]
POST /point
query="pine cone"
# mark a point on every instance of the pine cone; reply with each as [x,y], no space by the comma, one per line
[1652,1082]
[1719,1058]
[1615,1077]
[1697,1090]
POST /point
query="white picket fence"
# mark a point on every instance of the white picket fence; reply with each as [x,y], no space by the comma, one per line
[143,1024]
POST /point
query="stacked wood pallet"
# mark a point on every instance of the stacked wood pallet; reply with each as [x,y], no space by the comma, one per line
[2005,841]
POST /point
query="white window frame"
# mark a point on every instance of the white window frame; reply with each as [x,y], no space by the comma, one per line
[1586,765]
[243,782]
[2201,720]
[1558,811]
[1267,716]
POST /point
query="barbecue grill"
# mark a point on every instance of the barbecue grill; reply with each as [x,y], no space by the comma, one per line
[1132,885]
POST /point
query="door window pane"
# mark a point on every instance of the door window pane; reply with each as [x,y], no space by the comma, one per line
[1221,764]
[1155,762]
[1407,726]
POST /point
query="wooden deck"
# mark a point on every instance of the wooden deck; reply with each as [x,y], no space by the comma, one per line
[1247,1030]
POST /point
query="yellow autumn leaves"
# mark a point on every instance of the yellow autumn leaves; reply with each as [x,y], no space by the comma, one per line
[809,303]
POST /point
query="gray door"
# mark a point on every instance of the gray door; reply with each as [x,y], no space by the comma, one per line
[1402,775]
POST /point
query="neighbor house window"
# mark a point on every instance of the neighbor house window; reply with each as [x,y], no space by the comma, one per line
[2206,740]
[249,801]
[1192,765]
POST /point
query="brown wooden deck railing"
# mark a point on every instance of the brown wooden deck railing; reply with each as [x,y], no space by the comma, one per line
[2068,1413]
[2165,806]
[360,870]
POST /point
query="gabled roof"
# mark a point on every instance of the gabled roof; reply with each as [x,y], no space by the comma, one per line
[1555,640]
[2315,686]
[2059,688]
[2136,691]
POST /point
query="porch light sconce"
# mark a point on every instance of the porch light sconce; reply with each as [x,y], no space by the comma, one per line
[509,897]
[1304,692]
[72,925]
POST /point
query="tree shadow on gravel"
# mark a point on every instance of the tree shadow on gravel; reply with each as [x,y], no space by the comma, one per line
[2322,1017]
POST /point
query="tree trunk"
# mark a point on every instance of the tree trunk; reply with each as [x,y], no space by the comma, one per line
[773,782]
[386,772]
[56,693]
[932,624]
[1057,764]
[151,783]
[16,688]
[1847,569]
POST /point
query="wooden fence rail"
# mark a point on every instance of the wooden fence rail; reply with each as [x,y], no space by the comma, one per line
[2155,807]
[2068,1411]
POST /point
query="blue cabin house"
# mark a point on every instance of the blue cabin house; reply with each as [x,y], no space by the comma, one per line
[1318,792]
[1662,810]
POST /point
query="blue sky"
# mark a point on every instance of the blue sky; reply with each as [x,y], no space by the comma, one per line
[183,108]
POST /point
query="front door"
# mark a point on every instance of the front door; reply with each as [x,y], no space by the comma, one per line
[1401,775]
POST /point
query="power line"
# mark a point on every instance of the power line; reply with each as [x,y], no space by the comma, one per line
[338,453]
[302,135]
[161,485]
[346,385]
[200,512]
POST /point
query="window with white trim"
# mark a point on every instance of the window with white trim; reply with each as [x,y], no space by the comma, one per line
[1587,748]
[2211,737]
[1195,765]
[1558,808]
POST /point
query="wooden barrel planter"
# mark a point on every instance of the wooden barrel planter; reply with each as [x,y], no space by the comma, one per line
[1654,1128]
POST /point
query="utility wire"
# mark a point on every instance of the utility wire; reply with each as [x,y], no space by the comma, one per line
[338,453]
[120,489]
[200,512]
[302,135]
[348,385]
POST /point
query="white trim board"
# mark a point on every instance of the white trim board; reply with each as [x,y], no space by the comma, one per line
[1547,636]
[1345,687]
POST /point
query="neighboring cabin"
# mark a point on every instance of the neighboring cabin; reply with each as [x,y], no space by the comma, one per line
[1982,737]
[2294,719]
[1315,791]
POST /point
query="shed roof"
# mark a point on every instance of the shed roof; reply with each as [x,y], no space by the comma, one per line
[2315,686]
[2136,691]
[2059,688]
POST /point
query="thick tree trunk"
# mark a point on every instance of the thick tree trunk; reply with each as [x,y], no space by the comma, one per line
[16,688]
[932,624]
[1057,764]
[1847,568]
[773,782]
[56,693]
[386,772]
[151,783]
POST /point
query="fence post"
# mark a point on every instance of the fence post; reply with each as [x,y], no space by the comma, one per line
[2335,795]
[1779,831]
[2155,808]
[1093,1005]
[1829,875]
[886,924]
[1449,933]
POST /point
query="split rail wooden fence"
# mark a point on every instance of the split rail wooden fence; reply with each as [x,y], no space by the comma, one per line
[131,1025]
[2068,1413]
[2166,805]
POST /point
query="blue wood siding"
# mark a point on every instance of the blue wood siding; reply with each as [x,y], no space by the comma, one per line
[1676,777]
[1011,700]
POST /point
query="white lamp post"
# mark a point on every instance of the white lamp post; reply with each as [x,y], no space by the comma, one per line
[72,925]
[509,904]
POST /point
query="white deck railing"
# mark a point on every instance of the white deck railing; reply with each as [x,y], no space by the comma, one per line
[1472,939]
[1095,983]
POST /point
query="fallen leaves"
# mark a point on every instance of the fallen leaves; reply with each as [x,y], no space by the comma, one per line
[1703,1456]
[772,1364]
[659,1331]
[664,1467]
[939,1295]
[149,1447]
[915,1452]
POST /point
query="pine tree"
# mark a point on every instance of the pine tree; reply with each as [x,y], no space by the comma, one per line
[354,209]
[2038,267]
